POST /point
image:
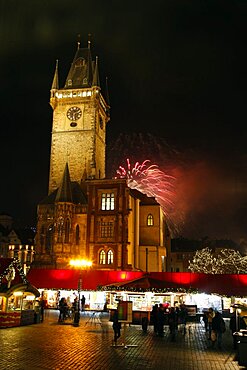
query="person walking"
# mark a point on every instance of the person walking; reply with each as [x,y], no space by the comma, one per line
[218,328]
[63,308]
[173,323]
[210,315]
[83,301]
[42,309]
[116,327]
[160,320]
[182,317]
[154,316]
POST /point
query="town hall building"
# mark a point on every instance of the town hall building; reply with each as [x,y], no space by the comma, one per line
[86,215]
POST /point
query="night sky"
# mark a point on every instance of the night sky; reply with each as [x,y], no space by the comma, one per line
[176,72]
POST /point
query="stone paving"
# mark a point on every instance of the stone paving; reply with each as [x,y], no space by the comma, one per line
[50,345]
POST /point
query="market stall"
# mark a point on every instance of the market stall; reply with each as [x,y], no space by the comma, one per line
[143,289]
[17,296]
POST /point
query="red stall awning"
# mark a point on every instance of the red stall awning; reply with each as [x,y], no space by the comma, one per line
[225,284]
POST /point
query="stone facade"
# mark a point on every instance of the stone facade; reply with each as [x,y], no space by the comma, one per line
[86,215]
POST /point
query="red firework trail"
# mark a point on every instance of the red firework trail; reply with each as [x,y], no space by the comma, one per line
[150,180]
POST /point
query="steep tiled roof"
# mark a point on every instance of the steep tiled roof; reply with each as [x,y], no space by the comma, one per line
[78,196]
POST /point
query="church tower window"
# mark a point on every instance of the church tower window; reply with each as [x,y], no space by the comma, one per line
[107,201]
[110,257]
[102,257]
[67,229]
[60,230]
[106,229]
[77,234]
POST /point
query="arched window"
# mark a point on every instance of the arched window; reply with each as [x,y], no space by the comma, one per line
[150,220]
[77,234]
[102,258]
[60,230]
[109,257]
[67,229]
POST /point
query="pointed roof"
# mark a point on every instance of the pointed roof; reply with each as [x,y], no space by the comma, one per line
[107,98]
[64,193]
[96,81]
[55,83]
[78,195]
[81,70]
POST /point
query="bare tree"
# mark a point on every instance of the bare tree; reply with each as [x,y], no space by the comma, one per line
[227,261]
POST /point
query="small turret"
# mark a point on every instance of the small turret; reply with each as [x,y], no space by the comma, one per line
[54,86]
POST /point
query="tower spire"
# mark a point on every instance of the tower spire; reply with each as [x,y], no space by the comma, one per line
[55,83]
[89,41]
[96,81]
[78,41]
[107,99]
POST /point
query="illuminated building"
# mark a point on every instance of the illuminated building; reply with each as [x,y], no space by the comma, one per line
[85,214]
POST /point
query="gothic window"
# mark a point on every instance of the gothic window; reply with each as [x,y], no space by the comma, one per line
[102,258]
[106,229]
[49,235]
[110,257]
[150,220]
[42,237]
[77,234]
[60,230]
[67,229]
[84,81]
[107,201]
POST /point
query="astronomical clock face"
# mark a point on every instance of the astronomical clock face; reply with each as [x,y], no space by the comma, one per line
[74,113]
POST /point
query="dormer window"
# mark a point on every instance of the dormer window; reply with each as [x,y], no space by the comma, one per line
[69,82]
[80,62]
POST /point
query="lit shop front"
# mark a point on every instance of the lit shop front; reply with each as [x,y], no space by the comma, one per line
[94,300]
[18,298]
[143,289]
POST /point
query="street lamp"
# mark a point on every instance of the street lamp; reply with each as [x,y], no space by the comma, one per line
[80,264]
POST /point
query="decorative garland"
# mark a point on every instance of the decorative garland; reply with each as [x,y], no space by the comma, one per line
[152,290]
[15,263]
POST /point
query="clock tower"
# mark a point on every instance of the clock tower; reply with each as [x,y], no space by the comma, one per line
[80,115]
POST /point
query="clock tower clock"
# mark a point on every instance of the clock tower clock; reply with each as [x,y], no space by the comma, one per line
[80,115]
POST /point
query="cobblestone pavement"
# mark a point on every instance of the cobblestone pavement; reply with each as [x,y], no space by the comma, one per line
[50,345]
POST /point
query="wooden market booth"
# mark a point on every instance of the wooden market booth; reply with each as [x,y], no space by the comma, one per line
[18,305]
[160,286]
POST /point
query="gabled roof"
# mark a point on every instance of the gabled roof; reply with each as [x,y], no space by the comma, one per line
[78,196]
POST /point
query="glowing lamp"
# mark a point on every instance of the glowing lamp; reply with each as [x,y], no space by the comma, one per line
[80,263]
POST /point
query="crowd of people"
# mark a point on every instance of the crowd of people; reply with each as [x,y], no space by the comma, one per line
[68,310]
[174,316]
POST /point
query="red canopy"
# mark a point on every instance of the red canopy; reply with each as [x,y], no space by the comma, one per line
[225,284]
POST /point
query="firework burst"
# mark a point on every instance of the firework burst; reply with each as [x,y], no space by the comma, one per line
[150,180]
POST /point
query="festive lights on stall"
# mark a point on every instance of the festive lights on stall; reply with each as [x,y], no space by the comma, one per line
[15,263]
[151,290]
